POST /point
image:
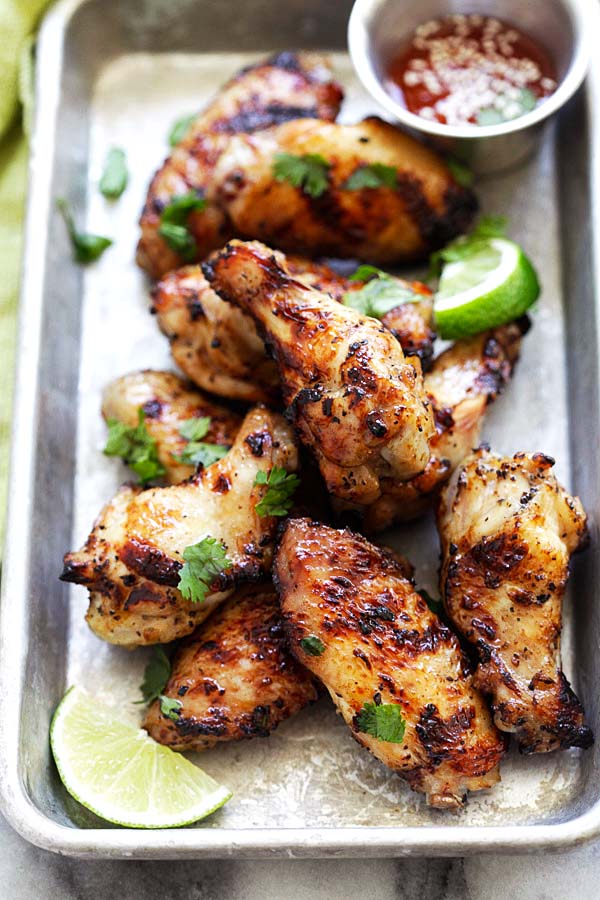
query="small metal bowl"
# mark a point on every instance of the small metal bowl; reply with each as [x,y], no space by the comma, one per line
[379,28]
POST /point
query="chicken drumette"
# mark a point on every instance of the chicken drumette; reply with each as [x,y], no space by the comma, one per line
[354,398]
[360,626]
[132,560]
[234,677]
[508,530]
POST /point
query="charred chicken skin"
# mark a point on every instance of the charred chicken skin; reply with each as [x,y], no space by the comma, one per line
[384,224]
[216,343]
[167,401]
[507,531]
[353,397]
[462,383]
[282,87]
[234,677]
[132,559]
[359,625]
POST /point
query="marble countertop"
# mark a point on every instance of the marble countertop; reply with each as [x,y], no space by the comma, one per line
[27,873]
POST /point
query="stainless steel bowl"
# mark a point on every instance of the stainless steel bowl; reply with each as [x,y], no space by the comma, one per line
[378,28]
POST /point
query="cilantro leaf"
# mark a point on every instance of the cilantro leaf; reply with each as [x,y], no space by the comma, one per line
[86,247]
[170,707]
[135,447]
[195,429]
[203,562]
[312,645]
[460,171]
[467,244]
[156,675]
[373,175]
[436,606]
[309,172]
[278,498]
[384,722]
[179,129]
[173,224]
[198,452]
[115,175]
[380,294]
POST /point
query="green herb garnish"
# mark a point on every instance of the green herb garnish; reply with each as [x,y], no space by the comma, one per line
[115,175]
[86,247]
[170,707]
[312,645]
[466,245]
[195,429]
[380,294]
[179,129]
[203,562]
[173,224]
[308,172]
[156,675]
[136,447]
[197,452]
[384,722]
[460,171]
[373,175]
[279,496]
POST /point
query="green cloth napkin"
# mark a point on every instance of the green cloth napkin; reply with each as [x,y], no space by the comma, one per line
[18,20]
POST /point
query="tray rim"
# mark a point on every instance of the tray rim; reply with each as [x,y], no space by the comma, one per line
[29,821]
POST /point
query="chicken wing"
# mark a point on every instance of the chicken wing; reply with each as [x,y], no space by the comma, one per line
[234,677]
[282,87]
[355,401]
[386,224]
[462,383]
[167,401]
[508,530]
[359,625]
[217,346]
[131,561]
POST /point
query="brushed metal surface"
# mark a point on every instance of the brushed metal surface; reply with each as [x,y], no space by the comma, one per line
[114,73]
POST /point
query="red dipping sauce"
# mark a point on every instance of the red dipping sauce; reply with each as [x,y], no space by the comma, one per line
[471,69]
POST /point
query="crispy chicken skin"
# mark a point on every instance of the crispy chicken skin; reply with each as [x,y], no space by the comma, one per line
[282,87]
[383,645]
[167,402]
[234,677]
[507,531]
[216,344]
[462,383]
[381,225]
[355,400]
[131,561]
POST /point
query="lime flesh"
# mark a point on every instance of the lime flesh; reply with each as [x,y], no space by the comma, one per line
[495,285]
[121,774]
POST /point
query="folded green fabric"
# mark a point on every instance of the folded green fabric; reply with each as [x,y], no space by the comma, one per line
[18,19]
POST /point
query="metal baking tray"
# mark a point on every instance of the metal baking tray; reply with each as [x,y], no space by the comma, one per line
[119,73]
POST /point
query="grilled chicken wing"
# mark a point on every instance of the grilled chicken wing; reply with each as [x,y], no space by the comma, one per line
[355,621]
[356,402]
[167,402]
[462,383]
[507,530]
[132,559]
[217,346]
[234,677]
[383,225]
[282,87]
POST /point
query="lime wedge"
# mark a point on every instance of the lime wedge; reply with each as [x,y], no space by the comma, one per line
[494,285]
[121,774]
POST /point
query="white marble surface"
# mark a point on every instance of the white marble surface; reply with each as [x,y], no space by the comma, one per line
[27,873]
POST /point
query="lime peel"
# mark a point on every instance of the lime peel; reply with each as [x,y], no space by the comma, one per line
[121,774]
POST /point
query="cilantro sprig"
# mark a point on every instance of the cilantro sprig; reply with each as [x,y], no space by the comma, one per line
[380,293]
[174,224]
[310,172]
[466,245]
[170,707]
[459,170]
[203,562]
[135,447]
[179,129]
[312,645]
[156,676]
[115,175]
[384,722]
[198,452]
[86,247]
[372,175]
[279,495]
